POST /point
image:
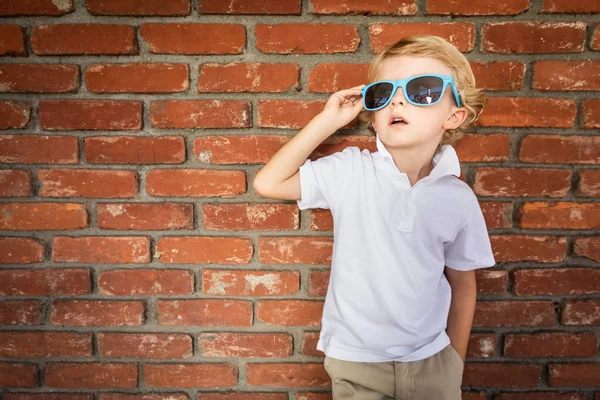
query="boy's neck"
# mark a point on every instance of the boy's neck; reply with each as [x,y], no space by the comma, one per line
[415,162]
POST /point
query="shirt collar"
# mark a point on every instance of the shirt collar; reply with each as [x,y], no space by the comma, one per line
[445,161]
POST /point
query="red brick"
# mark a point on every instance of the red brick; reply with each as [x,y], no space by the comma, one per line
[491,281]
[45,344]
[134,150]
[15,183]
[560,215]
[499,75]
[591,114]
[248,77]
[204,312]
[195,183]
[372,7]
[288,375]
[478,147]
[522,112]
[135,282]
[190,375]
[559,149]
[87,183]
[39,78]
[581,312]
[45,282]
[514,313]
[588,247]
[38,149]
[145,216]
[287,114]
[201,114]
[97,313]
[512,248]
[250,216]
[35,7]
[102,249]
[502,375]
[144,345]
[42,216]
[318,282]
[18,375]
[51,396]
[314,396]
[595,41]
[13,40]
[556,281]
[190,38]
[566,75]
[91,375]
[242,396]
[560,344]
[137,78]
[565,6]
[244,345]
[309,345]
[110,115]
[333,77]
[204,250]
[290,312]
[20,251]
[14,114]
[497,214]
[460,34]
[139,7]
[250,283]
[321,220]
[306,38]
[574,375]
[27,312]
[84,39]
[481,345]
[268,7]
[516,182]
[464,7]
[534,37]
[295,250]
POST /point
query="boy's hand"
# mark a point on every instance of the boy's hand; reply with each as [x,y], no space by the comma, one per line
[343,106]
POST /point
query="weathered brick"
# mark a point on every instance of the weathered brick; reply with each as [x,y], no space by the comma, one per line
[556,281]
[250,283]
[514,313]
[201,114]
[534,37]
[93,183]
[194,39]
[145,216]
[243,345]
[250,216]
[45,344]
[204,312]
[144,345]
[295,250]
[19,375]
[522,112]
[566,75]
[595,42]
[497,214]
[465,7]
[137,78]
[481,345]
[333,77]
[589,183]
[566,6]
[287,114]
[560,149]
[21,312]
[248,77]
[101,249]
[20,251]
[13,40]
[515,182]
[502,375]
[288,375]
[574,375]
[478,147]
[42,216]
[460,34]
[242,396]
[86,39]
[134,150]
[15,183]
[12,8]
[499,75]
[306,38]
[91,375]
[204,250]
[97,313]
[134,282]
[290,312]
[321,220]
[318,283]
[263,7]
[45,282]
[560,215]
[32,149]
[195,183]
[588,247]
[512,248]
[491,281]
[191,375]
[110,115]
[591,114]
[392,7]
[139,7]
[39,78]
[309,345]
[14,114]
[581,312]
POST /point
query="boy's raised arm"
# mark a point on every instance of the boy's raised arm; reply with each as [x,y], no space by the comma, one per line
[280,177]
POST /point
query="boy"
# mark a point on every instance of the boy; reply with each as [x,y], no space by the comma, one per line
[408,233]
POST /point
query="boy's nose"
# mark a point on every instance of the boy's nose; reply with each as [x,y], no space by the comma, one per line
[398,97]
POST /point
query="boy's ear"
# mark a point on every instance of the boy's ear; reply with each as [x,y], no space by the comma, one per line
[456,118]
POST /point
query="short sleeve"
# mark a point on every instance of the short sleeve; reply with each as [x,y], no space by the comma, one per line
[322,181]
[471,249]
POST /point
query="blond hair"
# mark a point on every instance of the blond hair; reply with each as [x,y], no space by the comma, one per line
[472,98]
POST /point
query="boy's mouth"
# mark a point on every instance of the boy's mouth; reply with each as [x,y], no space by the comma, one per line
[397,121]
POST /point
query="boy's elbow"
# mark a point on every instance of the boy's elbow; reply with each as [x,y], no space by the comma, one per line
[259,187]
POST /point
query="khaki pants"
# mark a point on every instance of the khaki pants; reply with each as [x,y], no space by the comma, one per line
[438,377]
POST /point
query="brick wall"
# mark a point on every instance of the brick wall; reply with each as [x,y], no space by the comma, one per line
[135,256]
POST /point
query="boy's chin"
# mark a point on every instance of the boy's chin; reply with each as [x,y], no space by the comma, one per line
[401,140]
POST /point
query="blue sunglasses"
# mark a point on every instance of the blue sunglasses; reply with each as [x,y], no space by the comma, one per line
[421,90]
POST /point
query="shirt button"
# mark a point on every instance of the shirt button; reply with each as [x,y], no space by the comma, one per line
[409,210]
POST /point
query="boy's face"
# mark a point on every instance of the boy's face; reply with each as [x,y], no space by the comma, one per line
[424,126]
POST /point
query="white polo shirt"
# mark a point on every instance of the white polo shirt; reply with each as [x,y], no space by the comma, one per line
[388,298]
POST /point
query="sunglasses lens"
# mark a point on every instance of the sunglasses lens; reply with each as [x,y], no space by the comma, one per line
[425,90]
[378,95]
